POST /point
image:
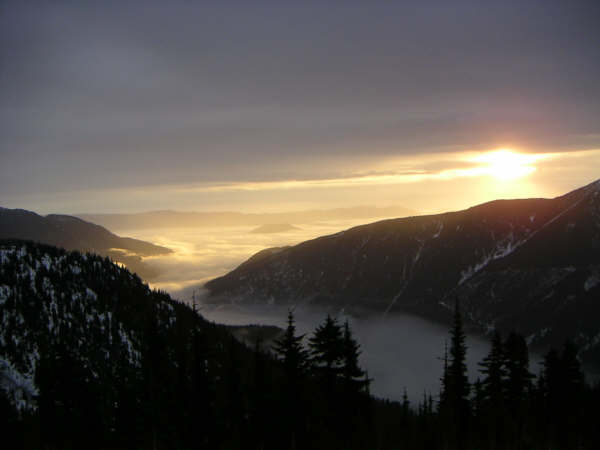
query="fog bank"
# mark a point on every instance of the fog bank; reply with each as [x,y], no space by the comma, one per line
[399,351]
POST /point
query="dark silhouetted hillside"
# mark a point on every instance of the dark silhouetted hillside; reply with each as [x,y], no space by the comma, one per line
[73,233]
[531,265]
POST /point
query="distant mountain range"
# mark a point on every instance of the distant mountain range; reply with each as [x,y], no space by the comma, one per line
[73,233]
[274,228]
[529,265]
[174,219]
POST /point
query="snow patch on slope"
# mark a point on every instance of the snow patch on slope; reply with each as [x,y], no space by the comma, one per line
[507,247]
[503,249]
[439,230]
[54,306]
[19,388]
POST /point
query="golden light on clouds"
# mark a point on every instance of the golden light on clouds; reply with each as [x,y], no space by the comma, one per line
[505,164]
[431,182]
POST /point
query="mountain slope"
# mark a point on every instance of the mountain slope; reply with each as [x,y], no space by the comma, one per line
[90,357]
[73,233]
[507,260]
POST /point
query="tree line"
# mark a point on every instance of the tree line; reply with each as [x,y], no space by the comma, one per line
[199,388]
[193,386]
[507,406]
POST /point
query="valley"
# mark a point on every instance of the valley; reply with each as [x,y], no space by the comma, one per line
[400,351]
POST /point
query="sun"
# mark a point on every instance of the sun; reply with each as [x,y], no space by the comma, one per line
[505,164]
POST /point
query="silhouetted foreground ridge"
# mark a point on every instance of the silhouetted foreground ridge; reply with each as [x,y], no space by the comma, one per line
[90,357]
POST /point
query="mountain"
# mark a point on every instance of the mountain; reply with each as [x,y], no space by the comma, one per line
[73,233]
[531,265]
[273,228]
[174,219]
[91,357]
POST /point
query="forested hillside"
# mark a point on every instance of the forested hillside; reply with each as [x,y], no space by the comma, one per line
[90,357]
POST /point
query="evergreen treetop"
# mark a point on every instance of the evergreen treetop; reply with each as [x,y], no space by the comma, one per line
[290,350]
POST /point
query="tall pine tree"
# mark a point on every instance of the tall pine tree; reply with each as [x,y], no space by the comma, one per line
[352,374]
[492,407]
[327,351]
[454,399]
[295,364]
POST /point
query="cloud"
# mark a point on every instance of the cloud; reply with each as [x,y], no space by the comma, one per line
[220,95]
[428,183]
[201,83]
[400,351]
[468,164]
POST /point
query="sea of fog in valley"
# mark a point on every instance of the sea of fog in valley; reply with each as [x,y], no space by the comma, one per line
[399,351]
[203,252]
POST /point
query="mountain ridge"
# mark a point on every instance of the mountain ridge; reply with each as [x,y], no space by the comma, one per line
[73,233]
[543,251]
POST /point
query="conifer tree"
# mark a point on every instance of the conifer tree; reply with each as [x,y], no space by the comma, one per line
[494,371]
[518,386]
[491,393]
[295,364]
[454,399]
[290,350]
[352,373]
[517,372]
[406,403]
[327,351]
[444,381]
[327,359]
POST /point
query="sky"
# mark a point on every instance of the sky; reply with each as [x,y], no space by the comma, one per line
[127,106]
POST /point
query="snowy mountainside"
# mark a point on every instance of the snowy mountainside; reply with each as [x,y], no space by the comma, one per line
[528,265]
[56,304]
[91,357]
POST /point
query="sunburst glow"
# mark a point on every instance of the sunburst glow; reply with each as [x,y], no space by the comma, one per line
[506,164]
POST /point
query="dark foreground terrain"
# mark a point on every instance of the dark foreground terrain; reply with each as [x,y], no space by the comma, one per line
[90,357]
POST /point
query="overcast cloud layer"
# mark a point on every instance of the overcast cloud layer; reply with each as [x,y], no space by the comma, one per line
[125,94]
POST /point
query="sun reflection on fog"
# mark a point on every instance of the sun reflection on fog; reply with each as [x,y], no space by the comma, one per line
[204,253]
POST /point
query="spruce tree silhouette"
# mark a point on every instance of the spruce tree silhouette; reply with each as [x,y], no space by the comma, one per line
[518,386]
[454,399]
[295,365]
[327,351]
[493,387]
[352,374]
